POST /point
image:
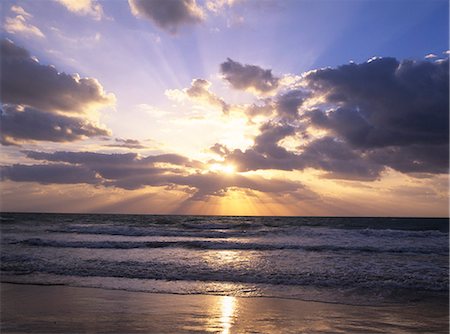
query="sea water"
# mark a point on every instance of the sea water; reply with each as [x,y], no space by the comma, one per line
[357,261]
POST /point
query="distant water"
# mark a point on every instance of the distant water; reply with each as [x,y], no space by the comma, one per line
[362,261]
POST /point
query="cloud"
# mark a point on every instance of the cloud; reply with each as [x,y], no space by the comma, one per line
[111,165]
[87,158]
[224,9]
[19,24]
[270,135]
[130,171]
[42,104]
[168,15]
[199,91]
[384,104]
[263,107]
[381,114]
[213,184]
[219,149]
[177,95]
[25,81]
[24,124]
[20,11]
[248,77]
[218,5]
[430,56]
[287,104]
[174,159]
[266,152]
[83,7]
[48,174]
[417,158]
[339,161]
[127,143]
[335,158]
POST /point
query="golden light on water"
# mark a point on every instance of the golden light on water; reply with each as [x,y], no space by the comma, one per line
[227,311]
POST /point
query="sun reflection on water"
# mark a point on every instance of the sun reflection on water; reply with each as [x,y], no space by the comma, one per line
[227,311]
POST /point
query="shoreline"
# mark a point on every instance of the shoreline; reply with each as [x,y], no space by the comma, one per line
[445,301]
[66,309]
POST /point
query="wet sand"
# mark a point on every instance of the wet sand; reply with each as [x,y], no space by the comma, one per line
[63,309]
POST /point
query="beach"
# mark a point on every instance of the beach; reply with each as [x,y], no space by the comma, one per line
[63,309]
[175,274]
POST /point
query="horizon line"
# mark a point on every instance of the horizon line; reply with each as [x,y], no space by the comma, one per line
[206,215]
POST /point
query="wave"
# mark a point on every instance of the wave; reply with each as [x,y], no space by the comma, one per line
[169,271]
[149,232]
[222,226]
[225,230]
[225,245]
[346,223]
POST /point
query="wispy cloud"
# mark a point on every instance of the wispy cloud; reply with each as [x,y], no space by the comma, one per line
[20,25]
[199,92]
[20,11]
[127,143]
[430,56]
[83,7]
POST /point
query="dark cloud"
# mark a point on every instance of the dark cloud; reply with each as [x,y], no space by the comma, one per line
[270,135]
[25,81]
[398,112]
[86,158]
[248,77]
[216,184]
[11,51]
[126,143]
[432,159]
[174,159]
[340,161]
[116,160]
[130,171]
[169,15]
[48,174]
[23,124]
[385,102]
[42,104]
[263,107]
[334,157]
[219,149]
[199,91]
[287,104]
[266,153]
[250,159]
[380,114]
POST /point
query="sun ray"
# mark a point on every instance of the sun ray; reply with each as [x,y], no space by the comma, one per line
[222,168]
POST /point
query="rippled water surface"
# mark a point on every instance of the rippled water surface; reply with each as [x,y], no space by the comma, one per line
[345,260]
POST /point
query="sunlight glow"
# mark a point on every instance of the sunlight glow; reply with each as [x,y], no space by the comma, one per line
[219,168]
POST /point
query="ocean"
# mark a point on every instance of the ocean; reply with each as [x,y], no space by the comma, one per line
[355,261]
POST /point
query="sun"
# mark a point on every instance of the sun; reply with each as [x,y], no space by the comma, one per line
[220,168]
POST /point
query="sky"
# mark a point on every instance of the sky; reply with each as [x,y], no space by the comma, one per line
[225,107]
